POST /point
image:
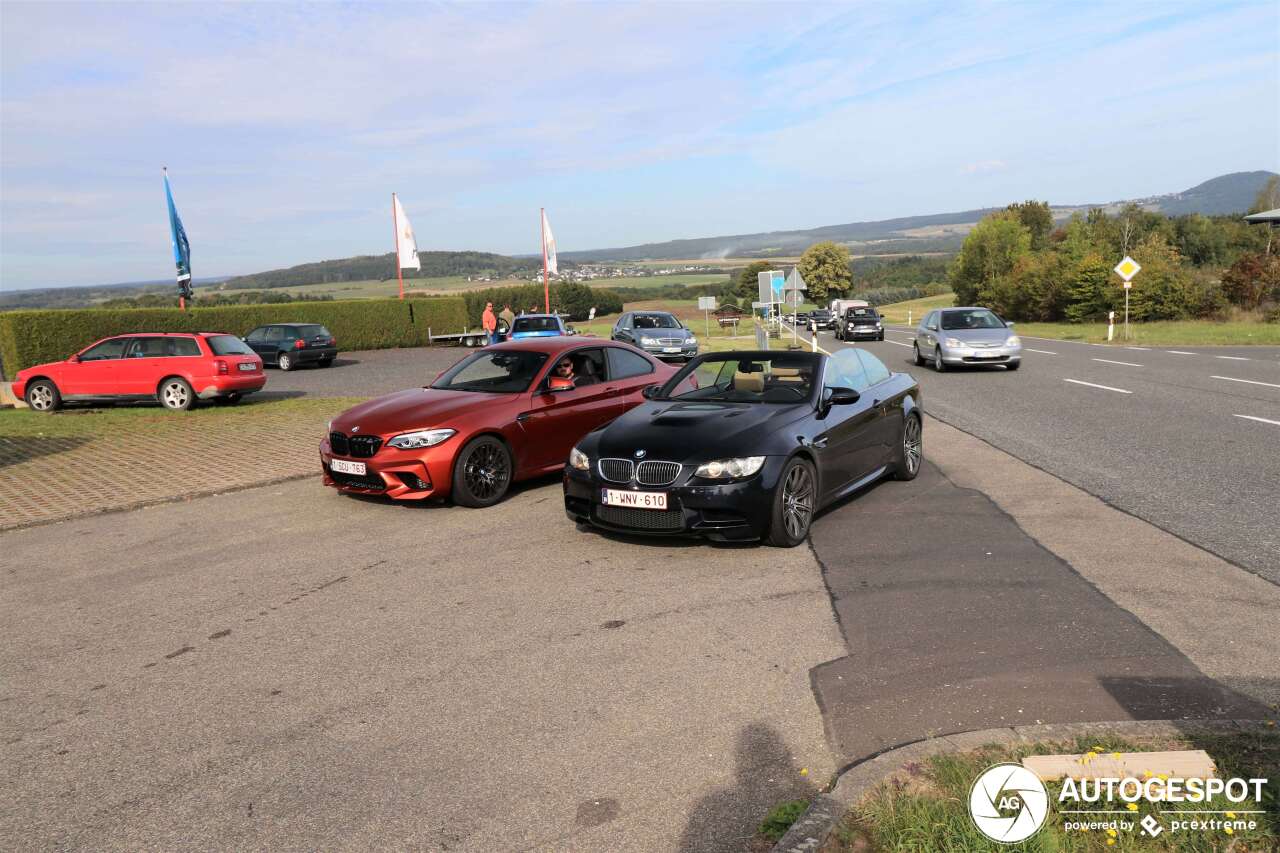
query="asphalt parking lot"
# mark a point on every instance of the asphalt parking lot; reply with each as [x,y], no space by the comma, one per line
[364,373]
[287,668]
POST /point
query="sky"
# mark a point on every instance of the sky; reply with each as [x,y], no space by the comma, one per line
[287,126]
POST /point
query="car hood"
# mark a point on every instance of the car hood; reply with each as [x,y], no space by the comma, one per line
[978,336]
[415,408]
[682,334]
[695,431]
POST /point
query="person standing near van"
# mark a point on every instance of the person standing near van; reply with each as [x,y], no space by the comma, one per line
[490,323]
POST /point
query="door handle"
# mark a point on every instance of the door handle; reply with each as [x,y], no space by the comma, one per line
[522,417]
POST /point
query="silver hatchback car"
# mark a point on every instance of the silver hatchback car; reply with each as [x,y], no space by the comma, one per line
[960,336]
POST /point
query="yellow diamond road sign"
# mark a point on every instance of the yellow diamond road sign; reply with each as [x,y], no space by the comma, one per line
[1128,268]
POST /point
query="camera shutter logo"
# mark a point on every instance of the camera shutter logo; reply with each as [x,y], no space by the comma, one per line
[1008,803]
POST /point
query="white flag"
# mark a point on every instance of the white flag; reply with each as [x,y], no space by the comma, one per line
[406,243]
[548,244]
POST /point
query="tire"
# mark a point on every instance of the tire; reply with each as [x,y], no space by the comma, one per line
[915,348]
[881,338]
[1014,365]
[176,395]
[229,400]
[938,364]
[284,361]
[482,473]
[794,502]
[43,396]
[910,449]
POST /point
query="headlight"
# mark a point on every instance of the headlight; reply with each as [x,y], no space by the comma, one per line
[877,324]
[952,342]
[724,469]
[579,460]
[421,438]
[692,341]
[1013,341]
[649,342]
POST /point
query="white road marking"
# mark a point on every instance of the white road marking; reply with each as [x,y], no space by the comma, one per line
[1232,357]
[1144,349]
[1250,381]
[1045,351]
[897,343]
[1179,352]
[1103,387]
[1263,420]
[1125,363]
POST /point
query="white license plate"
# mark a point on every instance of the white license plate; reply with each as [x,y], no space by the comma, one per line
[345,467]
[671,349]
[248,367]
[637,500]
[986,355]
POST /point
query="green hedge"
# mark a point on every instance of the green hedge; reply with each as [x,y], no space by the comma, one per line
[36,337]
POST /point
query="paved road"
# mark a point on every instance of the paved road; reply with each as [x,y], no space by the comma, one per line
[1187,438]
[286,668]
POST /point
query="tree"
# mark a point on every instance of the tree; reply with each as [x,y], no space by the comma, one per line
[1037,218]
[825,269]
[1092,292]
[1268,197]
[989,252]
[748,281]
[1252,280]
[1164,290]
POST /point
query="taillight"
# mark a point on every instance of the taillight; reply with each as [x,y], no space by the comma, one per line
[333,342]
[223,369]
[299,344]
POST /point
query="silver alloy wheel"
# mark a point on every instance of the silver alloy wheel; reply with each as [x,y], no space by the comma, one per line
[797,501]
[175,395]
[911,444]
[284,362]
[41,398]
[937,360]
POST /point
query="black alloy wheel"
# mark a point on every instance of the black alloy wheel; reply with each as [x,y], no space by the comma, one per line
[794,503]
[482,473]
[910,449]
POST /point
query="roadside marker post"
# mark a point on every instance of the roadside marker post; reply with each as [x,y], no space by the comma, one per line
[908,316]
[1111,324]
[1127,269]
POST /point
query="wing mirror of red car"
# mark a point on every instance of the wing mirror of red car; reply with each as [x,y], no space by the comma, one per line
[75,359]
[559,383]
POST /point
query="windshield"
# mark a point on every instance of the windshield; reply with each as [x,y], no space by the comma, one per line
[656,321]
[535,324]
[314,332]
[494,372]
[762,378]
[821,312]
[227,345]
[977,318]
[863,314]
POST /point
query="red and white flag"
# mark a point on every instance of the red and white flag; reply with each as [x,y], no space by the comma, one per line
[406,243]
[548,244]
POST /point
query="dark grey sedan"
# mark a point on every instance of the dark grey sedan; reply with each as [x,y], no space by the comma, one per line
[656,332]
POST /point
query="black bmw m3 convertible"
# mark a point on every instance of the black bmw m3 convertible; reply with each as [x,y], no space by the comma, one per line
[742,446]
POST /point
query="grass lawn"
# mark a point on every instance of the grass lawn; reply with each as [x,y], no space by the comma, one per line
[91,422]
[925,807]
[896,312]
[1162,333]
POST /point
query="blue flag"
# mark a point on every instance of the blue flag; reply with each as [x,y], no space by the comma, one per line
[181,248]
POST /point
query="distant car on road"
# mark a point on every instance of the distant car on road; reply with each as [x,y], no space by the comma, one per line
[747,445]
[859,324]
[290,345]
[501,414]
[966,336]
[538,326]
[658,333]
[175,370]
[821,318]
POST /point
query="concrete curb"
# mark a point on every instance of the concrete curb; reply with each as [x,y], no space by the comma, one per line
[811,831]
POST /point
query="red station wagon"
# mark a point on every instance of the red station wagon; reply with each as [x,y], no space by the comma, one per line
[506,413]
[174,369]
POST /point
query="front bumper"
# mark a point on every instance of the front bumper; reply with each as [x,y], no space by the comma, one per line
[981,355]
[863,332]
[725,512]
[407,475]
[669,351]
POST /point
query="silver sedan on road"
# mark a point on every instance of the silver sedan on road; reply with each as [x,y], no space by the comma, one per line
[961,336]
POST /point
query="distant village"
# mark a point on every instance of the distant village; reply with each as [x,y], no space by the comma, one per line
[591,272]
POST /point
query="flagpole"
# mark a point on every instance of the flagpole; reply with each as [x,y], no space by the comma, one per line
[546,282]
[182,300]
[395,226]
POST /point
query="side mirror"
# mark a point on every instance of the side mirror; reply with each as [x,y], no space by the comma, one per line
[556,384]
[840,396]
[1009,323]
[75,359]
[650,392]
